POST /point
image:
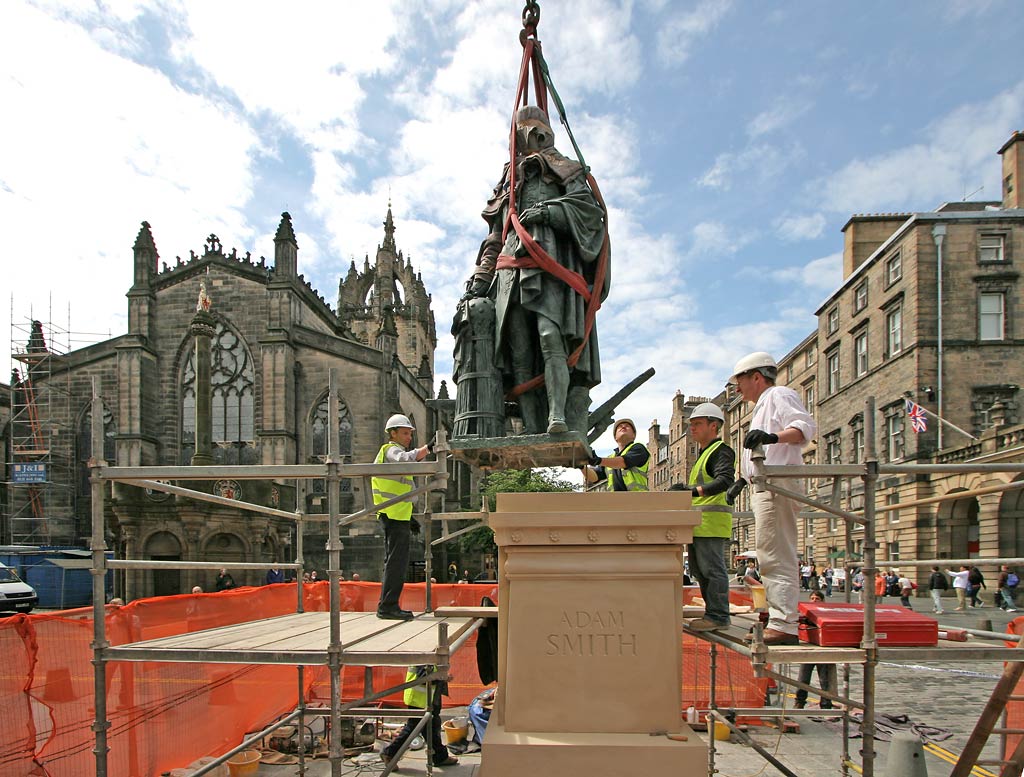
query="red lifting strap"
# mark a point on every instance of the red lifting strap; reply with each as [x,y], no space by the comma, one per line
[536,255]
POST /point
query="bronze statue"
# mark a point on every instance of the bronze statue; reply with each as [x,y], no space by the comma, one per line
[540,319]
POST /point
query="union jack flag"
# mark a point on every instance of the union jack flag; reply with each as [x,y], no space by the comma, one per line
[918,421]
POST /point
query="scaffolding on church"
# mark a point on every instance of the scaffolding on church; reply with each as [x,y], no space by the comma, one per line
[40,477]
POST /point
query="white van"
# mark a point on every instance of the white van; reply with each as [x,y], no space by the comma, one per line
[15,595]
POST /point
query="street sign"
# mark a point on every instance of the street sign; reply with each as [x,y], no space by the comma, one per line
[28,473]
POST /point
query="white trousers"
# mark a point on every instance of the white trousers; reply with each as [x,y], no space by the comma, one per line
[776,543]
[937,599]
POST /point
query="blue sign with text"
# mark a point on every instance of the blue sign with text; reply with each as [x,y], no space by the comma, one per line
[28,473]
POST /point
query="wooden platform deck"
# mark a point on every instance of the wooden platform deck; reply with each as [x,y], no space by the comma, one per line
[302,639]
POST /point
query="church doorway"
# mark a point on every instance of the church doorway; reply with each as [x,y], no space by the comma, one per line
[164,546]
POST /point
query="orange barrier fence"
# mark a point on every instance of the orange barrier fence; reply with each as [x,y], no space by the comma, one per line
[165,715]
[1014,708]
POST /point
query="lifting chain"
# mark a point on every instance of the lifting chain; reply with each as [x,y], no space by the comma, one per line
[531,18]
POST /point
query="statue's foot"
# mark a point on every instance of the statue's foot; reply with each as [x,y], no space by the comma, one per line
[557,425]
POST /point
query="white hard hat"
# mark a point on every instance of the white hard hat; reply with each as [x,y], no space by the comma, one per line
[753,361]
[398,421]
[708,410]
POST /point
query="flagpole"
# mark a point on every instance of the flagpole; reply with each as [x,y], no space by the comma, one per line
[937,417]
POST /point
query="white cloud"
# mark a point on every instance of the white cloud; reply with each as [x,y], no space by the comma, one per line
[794,228]
[954,159]
[680,33]
[784,112]
[712,238]
[303,69]
[823,275]
[959,10]
[758,162]
[101,145]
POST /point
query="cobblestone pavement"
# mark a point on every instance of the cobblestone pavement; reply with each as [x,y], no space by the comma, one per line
[947,696]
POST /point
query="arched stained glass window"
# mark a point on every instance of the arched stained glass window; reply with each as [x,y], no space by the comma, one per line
[231,403]
[319,428]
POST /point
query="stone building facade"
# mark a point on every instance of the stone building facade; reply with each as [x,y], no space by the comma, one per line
[275,341]
[892,331]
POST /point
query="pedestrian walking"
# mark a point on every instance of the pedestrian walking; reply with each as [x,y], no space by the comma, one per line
[1008,582]
[976,581]
[937,583]
[960,585]
[857,584]
[906,590]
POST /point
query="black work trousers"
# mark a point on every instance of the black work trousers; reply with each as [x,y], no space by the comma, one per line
[396,562]
[437,744]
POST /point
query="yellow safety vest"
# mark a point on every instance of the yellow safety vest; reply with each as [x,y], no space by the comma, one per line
[385,488]
[417,695]
[711,524]
[635,478]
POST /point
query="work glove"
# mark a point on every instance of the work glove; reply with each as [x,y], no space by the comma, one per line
[683,487]
[735,490]
[757,437]
[594,460]
[430,447]
[414,526]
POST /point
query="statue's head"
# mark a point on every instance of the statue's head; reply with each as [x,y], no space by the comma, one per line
[533,130]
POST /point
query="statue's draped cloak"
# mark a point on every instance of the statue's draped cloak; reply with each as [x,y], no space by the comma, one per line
[573,238]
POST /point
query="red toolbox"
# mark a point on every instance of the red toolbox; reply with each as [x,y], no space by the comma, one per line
[838,624]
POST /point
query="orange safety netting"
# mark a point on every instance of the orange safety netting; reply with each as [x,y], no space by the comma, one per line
[1014,707]
[165,715]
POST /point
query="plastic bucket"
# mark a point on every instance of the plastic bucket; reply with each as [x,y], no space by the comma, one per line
[722,732]
[758,598]
[455,730]
[245,762]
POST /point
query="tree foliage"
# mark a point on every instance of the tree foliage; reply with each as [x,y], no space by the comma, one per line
[509,481]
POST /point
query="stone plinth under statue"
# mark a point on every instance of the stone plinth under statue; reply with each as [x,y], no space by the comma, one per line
[589,636]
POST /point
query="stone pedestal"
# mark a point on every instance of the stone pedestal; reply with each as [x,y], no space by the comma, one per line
[589,635]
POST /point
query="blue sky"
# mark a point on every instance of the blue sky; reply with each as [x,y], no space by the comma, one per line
[732,141]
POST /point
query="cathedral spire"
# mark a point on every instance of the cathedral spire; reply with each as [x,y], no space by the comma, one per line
[389,230]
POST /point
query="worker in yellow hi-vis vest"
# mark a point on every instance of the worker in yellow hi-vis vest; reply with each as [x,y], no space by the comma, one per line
[626,468]
[397,517]
[710,478]
[416,697]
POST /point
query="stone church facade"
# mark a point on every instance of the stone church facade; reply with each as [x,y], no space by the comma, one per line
[274,342]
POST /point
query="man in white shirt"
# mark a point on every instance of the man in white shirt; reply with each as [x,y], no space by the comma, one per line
[960,585]
[782,424]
